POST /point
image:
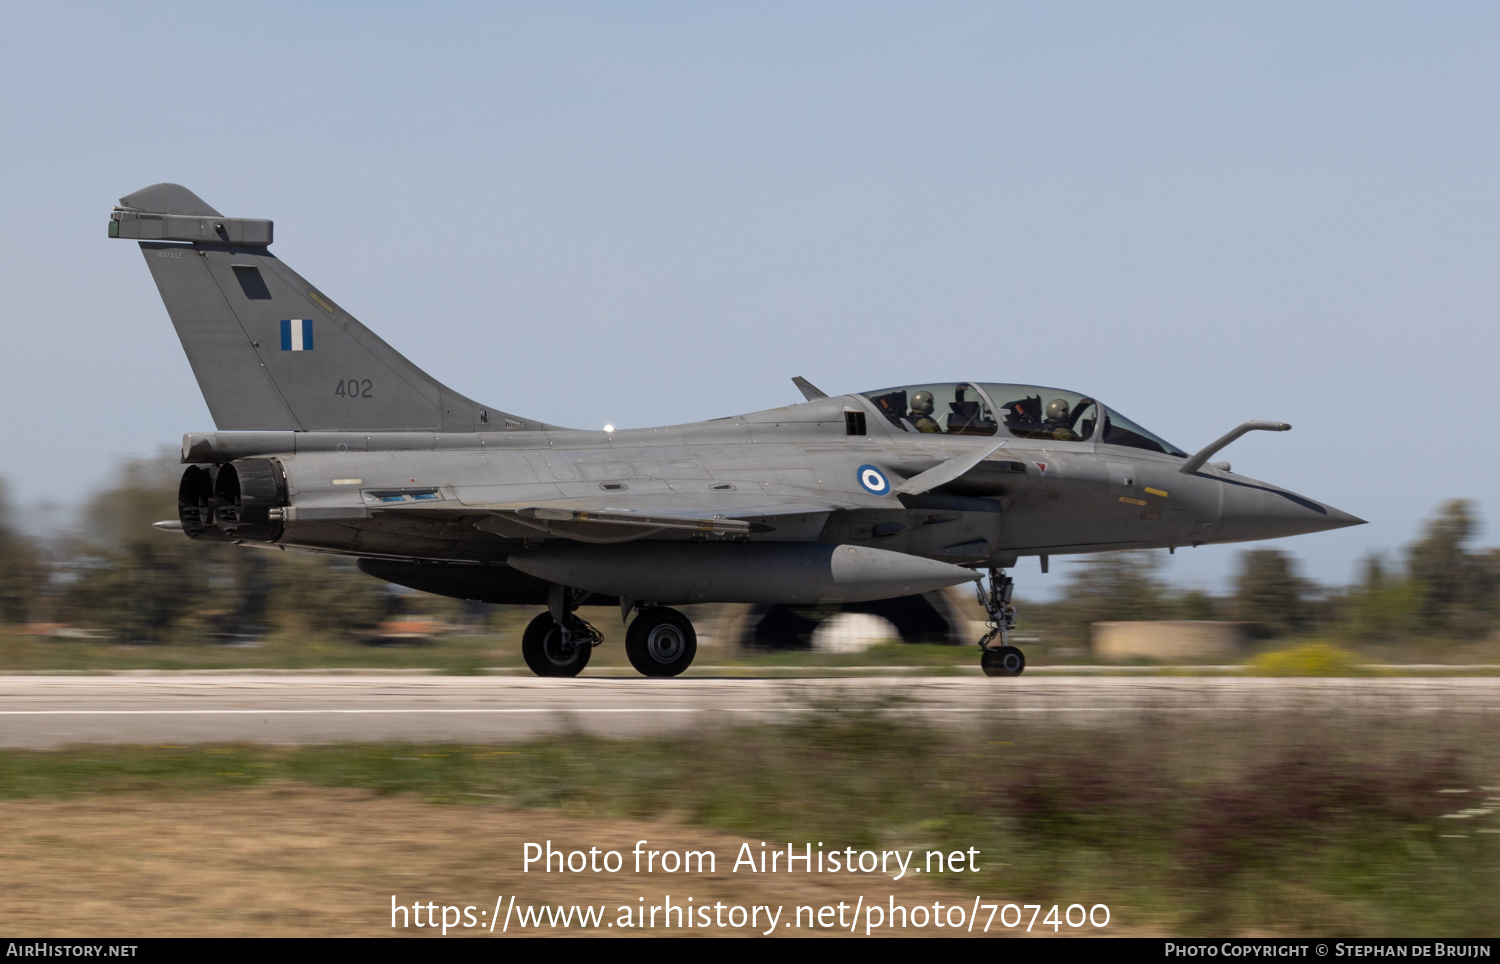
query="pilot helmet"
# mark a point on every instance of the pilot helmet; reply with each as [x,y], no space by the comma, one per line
[921,403]
[1057,410]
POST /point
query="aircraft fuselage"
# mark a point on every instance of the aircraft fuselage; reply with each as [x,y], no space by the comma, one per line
[358,493]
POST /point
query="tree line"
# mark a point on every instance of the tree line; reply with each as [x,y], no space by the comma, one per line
[126,580]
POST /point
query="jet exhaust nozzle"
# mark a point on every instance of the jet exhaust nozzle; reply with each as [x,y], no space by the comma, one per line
[235,502]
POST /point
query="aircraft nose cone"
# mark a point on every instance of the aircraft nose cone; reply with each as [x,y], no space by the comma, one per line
[1339,519]
[1258,511]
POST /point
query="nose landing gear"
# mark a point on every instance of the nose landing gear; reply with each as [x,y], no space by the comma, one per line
[1005,659]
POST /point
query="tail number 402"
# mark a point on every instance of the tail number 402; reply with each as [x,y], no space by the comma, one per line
[354,388]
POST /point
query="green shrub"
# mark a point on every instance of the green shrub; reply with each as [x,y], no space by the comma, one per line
[1309,659]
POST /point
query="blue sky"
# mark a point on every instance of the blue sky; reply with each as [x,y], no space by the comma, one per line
[655,213]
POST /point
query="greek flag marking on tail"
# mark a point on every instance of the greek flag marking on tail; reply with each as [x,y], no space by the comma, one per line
[296,334]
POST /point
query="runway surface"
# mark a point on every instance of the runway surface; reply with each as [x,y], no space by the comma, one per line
[40,712]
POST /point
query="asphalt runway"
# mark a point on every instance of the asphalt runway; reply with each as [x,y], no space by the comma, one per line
[41,712]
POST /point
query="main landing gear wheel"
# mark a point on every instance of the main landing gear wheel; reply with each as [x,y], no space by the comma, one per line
[548,653]
[660,642]
[1004,661]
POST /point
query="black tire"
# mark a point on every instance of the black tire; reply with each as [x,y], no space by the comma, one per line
[1005,661]
[661,642]
[542,647]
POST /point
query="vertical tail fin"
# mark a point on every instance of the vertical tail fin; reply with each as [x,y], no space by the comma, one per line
[271,352]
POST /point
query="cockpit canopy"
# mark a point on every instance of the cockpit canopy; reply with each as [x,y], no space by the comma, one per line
[1021,411]
[946,409]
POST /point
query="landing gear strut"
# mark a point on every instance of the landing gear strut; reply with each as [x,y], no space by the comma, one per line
[1005,659]
[558,643]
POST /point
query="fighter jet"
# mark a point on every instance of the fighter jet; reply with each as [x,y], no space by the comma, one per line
[329,440]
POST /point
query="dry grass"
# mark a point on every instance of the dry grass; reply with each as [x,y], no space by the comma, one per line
[297,861]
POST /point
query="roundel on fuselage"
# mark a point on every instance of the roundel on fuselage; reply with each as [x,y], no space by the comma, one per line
[873,481]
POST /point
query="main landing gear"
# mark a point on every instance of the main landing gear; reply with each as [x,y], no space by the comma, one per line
[659,641]
[558,643]
[1005,659]
[558,649]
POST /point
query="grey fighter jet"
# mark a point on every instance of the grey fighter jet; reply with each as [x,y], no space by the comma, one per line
[329,440]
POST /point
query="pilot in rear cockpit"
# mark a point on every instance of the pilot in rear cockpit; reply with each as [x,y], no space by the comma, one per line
[921,413]
[1058,425]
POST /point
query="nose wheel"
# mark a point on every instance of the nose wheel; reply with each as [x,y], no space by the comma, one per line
[1005,659]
